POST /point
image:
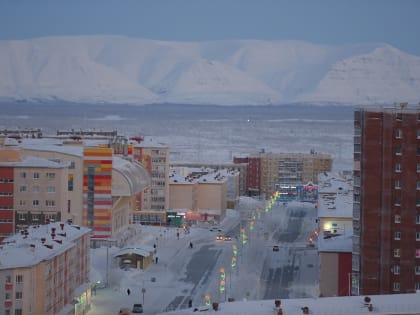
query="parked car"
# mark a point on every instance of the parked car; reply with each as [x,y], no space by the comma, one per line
[137,308]
[276,248]
[124,311]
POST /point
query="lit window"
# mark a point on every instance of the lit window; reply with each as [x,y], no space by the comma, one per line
[398,133]
[396,252]
[397,235]
[396,286]
[397,218]
[398,168]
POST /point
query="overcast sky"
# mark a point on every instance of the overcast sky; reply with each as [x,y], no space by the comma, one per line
[395,22]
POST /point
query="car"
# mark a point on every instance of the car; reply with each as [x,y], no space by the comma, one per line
[227,238]
[276,248]
[219,237]
[137,308]
[124,311]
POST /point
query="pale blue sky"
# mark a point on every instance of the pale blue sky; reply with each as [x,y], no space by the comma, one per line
[395,22]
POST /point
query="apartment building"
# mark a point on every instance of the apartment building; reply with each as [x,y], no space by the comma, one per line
[155,158]
[268,169]
[32,191]
[386,211]
[44,270]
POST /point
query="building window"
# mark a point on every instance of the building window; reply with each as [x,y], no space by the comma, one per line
[417,236]
[397,218]
[22,217]
[418,168]
[22,188]
[396,252]
[398,117]
[22,202]
[417,286]
[418,151]
[417,202]
[398,133]
[18,311]
[417,219]
[417,253]
[49,203]
[398,150]
[397,201]
[35,202]
[50,175]
[35,217]
[8,279]
[18,295]
[19,278]
[396,269]
[36,189]
[398,168]
[418,185]
[22,175]
[396,286]
[397,235]
[417,270]
[418,134]
[397,184]
[36,175]
[50,189]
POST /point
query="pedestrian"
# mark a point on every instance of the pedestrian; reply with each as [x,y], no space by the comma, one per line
[191,245]
[128,291]
[190,303]
[156,260]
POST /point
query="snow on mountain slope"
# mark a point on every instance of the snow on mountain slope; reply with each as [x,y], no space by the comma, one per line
[120,69]
[383,76]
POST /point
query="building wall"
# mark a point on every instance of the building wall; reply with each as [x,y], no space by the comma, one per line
[387,200]
[212,196]
[6,202]
[97,194]
[183,196]
[75,181]
[335,274]
[156,160]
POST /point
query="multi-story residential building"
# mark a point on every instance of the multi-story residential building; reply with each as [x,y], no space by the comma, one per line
[155,158]
[44,270]
[32,191]
[268,169]
[386,213]
[99,189]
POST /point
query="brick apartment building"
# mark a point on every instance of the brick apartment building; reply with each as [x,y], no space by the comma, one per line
[386,207]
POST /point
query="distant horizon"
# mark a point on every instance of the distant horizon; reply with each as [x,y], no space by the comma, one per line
[326,22]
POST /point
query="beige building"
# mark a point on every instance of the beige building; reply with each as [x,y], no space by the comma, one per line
[44,270]
[291,169]
[155,158]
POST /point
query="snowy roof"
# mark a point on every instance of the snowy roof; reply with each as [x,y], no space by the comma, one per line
[150,142]
[36,244]
[199,175]
[32,161]
[52,145]
[335,195]
[135,173]
[349,305]
[142,250]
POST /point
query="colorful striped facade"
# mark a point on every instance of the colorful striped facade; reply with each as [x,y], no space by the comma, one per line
[97,197]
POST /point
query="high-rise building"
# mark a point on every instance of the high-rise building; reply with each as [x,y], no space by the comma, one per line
[386,203]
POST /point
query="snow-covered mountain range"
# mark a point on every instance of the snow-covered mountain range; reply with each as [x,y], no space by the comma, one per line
[116,69]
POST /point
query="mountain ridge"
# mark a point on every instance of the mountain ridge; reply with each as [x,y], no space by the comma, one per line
[118,69]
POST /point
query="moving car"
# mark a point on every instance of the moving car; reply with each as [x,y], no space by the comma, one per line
[219,237]
[227,238]
[137,308]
